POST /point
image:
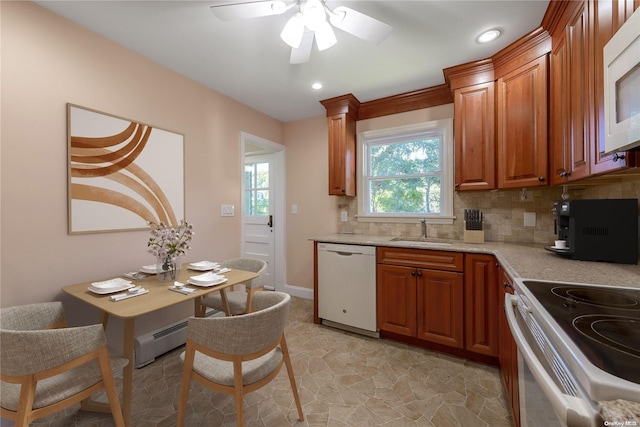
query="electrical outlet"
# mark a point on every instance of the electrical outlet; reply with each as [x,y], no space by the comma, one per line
[227,210]
[529,219]
[343,216]
[294,209]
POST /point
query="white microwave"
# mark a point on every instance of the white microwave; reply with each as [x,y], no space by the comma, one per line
[622,87]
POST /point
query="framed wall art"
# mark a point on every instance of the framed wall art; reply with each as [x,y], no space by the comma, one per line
[122,173]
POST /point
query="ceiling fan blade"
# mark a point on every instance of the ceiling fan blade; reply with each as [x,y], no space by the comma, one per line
[226,11]
[359,24]
[302,54]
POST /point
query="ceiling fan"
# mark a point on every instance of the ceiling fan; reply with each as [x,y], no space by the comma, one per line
[308,21]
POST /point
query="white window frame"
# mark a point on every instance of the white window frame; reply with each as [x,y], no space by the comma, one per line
[445,126]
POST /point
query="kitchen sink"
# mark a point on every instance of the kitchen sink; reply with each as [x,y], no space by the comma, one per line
[430,240]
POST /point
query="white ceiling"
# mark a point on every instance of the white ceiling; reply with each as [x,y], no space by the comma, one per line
[246,60]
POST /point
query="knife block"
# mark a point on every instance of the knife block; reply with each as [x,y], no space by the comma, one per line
[473,236]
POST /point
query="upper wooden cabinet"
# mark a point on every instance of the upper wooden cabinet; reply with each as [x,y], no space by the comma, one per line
[522,126]
[500,108]
[474,137]
[570,120]
[342,114]
[580,30]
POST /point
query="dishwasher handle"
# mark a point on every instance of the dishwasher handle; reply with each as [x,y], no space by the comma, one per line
[342,253]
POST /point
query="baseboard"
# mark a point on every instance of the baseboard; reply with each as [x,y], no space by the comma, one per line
[297,291]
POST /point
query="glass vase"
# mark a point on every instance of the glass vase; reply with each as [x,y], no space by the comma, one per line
[168,268]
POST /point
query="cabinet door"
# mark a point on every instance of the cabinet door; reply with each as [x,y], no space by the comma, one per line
[397,299]
[474,137]
[522,126]
[440,302]
[571,104]
[508,352]
[480,299]
[580,102]
[342,151]
[559,109]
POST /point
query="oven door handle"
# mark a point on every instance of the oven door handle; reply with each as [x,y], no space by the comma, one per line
[571,409]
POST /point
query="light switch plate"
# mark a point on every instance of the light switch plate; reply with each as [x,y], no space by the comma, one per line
[343,216]
[227,210]
[294,209]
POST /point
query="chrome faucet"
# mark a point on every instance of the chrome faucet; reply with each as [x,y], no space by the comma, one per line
[423,224]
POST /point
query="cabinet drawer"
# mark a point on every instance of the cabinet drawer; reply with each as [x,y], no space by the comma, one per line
[421,258]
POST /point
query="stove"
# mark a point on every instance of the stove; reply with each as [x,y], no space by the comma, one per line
[596,330]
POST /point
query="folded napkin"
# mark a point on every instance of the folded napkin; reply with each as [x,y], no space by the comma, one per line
[113,283]
[182,289]
[135,275]
[125,295]
[223,270]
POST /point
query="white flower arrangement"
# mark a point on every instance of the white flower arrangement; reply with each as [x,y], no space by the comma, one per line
[168,243]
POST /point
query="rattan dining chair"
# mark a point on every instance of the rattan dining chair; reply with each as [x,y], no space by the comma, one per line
[239,354]
[46,366]
[238,302]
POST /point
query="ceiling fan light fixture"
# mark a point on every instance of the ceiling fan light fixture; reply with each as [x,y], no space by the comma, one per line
[293,31]
[325,37]
[313,14]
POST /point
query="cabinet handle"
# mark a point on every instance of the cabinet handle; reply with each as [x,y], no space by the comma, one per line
[419,274]
[565,174]
[617,157]
[413,273]
[457,185]
[541,178]
[507,285]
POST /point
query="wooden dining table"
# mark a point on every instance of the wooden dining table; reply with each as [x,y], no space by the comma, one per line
[158,298]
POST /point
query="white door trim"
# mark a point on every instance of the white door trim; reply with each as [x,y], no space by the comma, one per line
[279,211]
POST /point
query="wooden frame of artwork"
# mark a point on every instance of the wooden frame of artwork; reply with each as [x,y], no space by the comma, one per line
[123,174]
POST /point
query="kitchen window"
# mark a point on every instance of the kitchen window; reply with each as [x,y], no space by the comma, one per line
[407,173]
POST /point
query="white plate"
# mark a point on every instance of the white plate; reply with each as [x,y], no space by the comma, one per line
[150,269]
[203,265]
[109,284]
[104,291]
[209,284]
[206,277]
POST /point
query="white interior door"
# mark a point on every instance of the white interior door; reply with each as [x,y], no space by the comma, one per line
[259,236]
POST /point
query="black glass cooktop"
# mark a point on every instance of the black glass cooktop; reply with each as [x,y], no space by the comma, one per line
[604,322]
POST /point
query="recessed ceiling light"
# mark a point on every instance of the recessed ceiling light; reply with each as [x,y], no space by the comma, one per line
[488,36]
[317,86]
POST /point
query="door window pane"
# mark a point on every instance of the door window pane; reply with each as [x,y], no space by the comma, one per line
[256,198]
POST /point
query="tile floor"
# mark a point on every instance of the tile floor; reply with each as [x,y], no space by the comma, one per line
[344,379]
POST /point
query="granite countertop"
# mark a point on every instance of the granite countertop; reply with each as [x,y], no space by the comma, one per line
[531,261]
[521,261]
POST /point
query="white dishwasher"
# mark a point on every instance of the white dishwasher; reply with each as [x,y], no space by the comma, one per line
[347,287]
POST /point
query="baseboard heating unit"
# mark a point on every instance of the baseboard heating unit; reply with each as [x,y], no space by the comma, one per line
[156,343]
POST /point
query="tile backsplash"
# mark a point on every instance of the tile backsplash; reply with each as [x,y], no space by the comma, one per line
[504,212]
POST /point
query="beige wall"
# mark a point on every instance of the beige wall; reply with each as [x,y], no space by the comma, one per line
[308,188]
[48,61]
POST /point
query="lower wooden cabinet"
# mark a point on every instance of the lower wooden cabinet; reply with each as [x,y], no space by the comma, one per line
[397,300]
[422,303]
[440,302]
[442,297]
[508,352]
[480,302]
